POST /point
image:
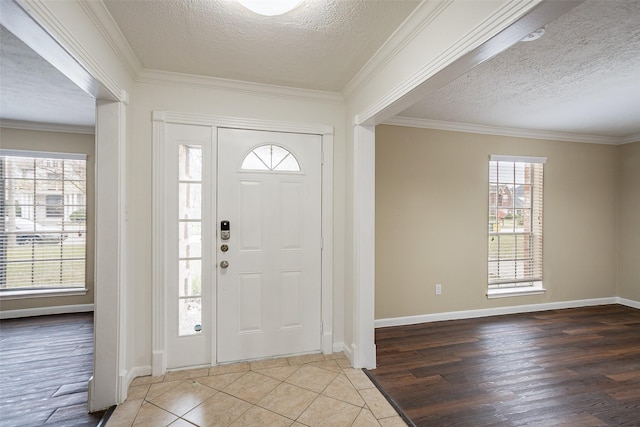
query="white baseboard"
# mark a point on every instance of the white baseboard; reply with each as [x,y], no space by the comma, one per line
[327,340]
[158,363]
[126,377]
[338,347]
[348,352]
[629,302]
[471,314]
[45,311]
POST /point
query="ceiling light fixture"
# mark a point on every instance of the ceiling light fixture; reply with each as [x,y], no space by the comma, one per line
[534,36]
[270,7]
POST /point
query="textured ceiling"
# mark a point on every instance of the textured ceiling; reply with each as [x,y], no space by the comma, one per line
[320,45]
[582,76]
[34,91]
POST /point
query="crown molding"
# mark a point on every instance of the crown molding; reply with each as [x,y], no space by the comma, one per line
[512,21]
[240,123]
[47,127]
[491,36]
[630,139]
[104,22]
[420,18]
[172,78]
[503,131]
[97,81]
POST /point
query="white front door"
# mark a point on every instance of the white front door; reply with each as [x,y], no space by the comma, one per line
[269,268]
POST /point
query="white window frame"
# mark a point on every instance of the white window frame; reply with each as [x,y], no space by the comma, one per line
[54,291]
[533,285]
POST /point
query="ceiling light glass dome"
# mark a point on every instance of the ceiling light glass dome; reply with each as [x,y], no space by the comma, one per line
[270,7]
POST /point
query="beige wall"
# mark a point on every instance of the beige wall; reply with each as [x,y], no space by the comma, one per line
[629,230]
[66,143]
[431,220]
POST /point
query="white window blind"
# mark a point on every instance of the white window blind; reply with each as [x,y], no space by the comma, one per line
[515,221]
[42,220]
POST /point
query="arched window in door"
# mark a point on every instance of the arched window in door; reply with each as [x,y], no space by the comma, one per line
[270,157]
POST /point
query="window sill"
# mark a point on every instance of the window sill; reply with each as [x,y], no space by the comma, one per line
[42,293]
[515,292]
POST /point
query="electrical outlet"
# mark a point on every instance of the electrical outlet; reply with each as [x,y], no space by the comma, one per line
[438,288]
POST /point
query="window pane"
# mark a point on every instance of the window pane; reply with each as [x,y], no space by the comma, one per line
[289,164]
[21,185]
[190,201]
[47,273]
[43,186]
[493,271]
[253,162]
[190,163]
[18,167]
[507,246]
[55,208]
[270,157]
[75,170]
[73,190]
[494,247]
[49,168]
[505,172]
[190,278]
[74,271]
[190,316]
[521,173]
[493,172]
[190,240]
[507,220]
[264,154]
[277,154]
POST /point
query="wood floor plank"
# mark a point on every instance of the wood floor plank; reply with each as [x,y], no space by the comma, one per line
[576,367]
[46,363]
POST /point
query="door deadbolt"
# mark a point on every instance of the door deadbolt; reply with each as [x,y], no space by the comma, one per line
[225,230]
[224,248]
[224,264]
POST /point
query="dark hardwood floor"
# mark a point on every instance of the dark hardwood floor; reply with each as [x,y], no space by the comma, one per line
[573,367]
[45,364]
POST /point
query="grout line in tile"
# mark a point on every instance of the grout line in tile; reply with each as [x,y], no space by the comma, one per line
[245,369]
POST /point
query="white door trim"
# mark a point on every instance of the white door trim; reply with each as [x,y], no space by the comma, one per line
[158,301]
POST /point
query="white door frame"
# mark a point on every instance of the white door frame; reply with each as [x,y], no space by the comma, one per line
[35,25]
[158,301]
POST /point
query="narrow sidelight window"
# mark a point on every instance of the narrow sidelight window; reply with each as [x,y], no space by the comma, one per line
[189,239]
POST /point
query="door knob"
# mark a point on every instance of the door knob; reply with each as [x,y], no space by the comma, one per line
[224,264]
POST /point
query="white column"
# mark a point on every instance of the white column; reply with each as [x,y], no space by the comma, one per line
[363,347]
[105,388]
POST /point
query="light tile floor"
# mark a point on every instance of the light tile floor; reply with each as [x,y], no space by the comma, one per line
[310,390]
